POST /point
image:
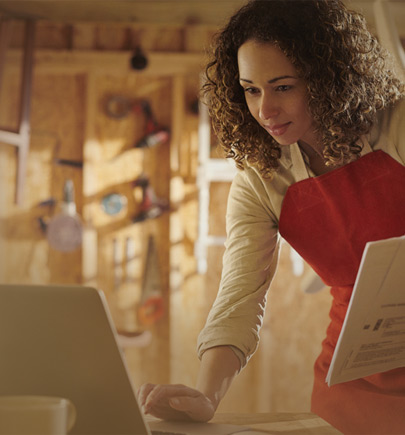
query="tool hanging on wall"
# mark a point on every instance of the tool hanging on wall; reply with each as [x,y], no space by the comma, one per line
[154,133]
[151,206]
[113,203]
[130,333]
[118,107]
[151,307]
[68,162]
[64,231]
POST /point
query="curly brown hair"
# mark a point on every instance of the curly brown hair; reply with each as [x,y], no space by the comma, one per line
[346,71]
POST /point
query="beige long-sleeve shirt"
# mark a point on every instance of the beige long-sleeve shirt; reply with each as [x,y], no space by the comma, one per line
[250,258]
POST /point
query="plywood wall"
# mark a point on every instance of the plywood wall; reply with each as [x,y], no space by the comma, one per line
[57,132]
[77,68]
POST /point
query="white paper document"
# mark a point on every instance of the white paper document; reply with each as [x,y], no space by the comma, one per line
[372,339]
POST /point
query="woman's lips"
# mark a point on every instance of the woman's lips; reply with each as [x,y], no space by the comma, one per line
[278,130]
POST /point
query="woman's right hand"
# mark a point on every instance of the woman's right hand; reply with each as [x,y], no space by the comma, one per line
[175,402]
[219,365]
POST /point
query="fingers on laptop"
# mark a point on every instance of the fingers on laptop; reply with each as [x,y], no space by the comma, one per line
[150,394]
[198,408]
[143,392]
[175,402]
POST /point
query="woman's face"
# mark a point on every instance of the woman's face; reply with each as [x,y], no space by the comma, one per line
[275,95]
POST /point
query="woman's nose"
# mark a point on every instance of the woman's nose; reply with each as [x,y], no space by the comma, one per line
[268,109]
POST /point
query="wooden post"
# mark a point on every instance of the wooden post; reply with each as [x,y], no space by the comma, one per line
[24,130]
[20,139]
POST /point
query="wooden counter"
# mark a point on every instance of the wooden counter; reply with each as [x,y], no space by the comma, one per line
[282,423]
[279,423]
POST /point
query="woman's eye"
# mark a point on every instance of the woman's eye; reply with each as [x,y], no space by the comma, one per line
[283,88]
[250,90]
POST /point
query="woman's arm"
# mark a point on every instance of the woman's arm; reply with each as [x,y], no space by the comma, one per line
[219,366]
[235,319]
[249,265]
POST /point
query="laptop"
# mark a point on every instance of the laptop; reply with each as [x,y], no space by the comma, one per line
[60,340]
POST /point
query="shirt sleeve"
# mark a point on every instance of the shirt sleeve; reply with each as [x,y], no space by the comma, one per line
[249,264]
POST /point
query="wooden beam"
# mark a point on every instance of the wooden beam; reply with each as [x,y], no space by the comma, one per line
[10,137]
[25,110]
[111,62]
[5,33]
[21,138]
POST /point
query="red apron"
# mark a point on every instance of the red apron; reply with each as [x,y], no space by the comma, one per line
[328,220]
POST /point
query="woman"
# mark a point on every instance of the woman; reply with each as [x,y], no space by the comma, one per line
[303,100]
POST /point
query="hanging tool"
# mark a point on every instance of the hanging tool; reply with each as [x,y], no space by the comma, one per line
[154,133]
[118,107]
[113,203]
[151,206]
[151,308]
[68,162]
[64,231]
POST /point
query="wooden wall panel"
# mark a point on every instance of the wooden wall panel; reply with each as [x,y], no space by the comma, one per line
[58,117]
[56,132]
[112,165]
[188,297]
[10,88]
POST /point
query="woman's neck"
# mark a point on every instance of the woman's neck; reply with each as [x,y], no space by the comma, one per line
[317,161]
[311,150]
